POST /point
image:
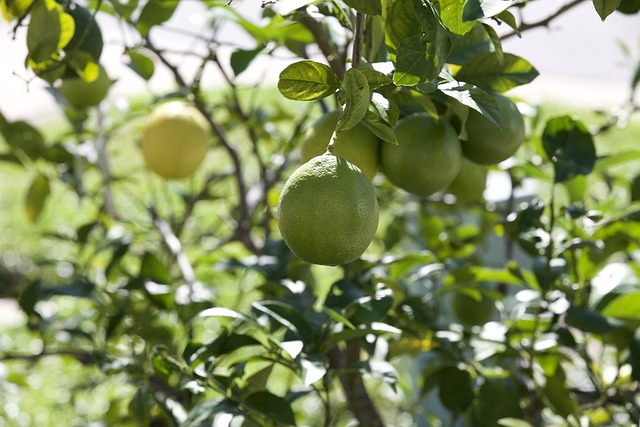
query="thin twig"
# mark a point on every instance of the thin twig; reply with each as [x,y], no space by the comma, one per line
[543,22]
[357,40]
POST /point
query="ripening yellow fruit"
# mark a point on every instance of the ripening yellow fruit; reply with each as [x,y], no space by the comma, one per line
[486,143]
[328,211]
[357,145]
[427,157]
[175,140]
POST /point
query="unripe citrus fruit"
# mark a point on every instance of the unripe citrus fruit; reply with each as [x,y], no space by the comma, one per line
[356,145]
[471,311]
[175,140]
[81,94]
[328,211]
[427,157]
[470,182]
[488,144]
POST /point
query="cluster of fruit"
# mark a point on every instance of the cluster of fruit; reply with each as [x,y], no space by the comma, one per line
[328,211]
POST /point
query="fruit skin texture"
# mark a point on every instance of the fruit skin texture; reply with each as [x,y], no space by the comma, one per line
[328,211]
[175,140]
[357,145]
[470,311]
[427,157]
[486,143]
[81,94]
[470,182]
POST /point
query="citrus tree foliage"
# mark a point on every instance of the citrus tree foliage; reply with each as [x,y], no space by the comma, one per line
[461,312]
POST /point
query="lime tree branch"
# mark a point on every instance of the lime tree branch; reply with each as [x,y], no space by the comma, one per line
[543,22]
[337,61]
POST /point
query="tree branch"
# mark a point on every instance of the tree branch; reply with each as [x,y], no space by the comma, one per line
[358,400]
[543,22]
[336,61]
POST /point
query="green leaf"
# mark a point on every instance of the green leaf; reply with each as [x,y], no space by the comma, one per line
[451,15]
[224,344]
[204,413]
[379,128]
[36,197]
[152,268]
[478,9]
[155,12]
[375,79]
[288,316]
[356,95]
[496,44]
[589,321]
[605,7]
[570,147]
[508,18]
[43,35]
[141,64]
[308,81]
[411,63]
[624,307]
[67,29]
[456,389]
[559,397]
[634,189]
[241,59]
[369,7]
[23,137]
[493,75]
[475,98]
[467,47]
[401,24]
[435,35]
[273,407]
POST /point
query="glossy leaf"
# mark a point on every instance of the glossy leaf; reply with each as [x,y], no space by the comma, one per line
[152,268]
[624,307]
[308,81]
[570,147]
[43,35]
[369,7]
[375,79]
[605,7]
[241,59]
[493,75]
[379,128]
[401,24]
[451,15]
[356,95]
[36,198]
[475,98]
[141,64]
[155,12]
[274,407]
[24,138]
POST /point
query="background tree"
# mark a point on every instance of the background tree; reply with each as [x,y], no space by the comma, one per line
[171,298]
